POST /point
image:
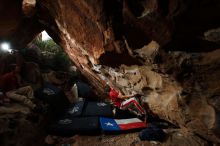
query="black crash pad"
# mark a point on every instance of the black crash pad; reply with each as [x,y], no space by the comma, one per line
[53,96]
[84,90]
[75,109]
[68,126]
[98,109]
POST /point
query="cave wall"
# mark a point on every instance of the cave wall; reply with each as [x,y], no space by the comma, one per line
[129,32]
[94,32]
[174,24]
[15,26]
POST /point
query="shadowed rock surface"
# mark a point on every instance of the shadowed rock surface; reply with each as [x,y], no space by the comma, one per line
[141,46]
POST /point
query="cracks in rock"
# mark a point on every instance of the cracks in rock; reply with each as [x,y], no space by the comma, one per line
[114,17]
[137,7]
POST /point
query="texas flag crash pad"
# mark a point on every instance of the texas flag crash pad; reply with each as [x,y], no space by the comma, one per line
[108,124]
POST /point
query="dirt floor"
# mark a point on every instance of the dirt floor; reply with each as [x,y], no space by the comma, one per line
[18,130]
[109,140]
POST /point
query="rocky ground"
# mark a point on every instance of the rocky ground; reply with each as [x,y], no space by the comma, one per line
[174,137]
[17,129]
[137,45]
[193,77]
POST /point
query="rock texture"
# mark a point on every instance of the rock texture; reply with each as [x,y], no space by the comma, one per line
[123,41]
[17,129]
[174,137]
[14,26]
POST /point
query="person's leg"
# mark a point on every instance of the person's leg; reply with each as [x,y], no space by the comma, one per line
[29,103]
[27,90]
[132,102]
[74,92]
[20,98]
[15,96]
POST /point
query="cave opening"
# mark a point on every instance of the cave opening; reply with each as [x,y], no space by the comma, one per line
[44,66]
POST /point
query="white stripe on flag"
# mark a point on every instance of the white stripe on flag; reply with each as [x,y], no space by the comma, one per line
[127,121]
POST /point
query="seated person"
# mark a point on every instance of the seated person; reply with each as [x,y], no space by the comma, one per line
[11,87]
[125,101]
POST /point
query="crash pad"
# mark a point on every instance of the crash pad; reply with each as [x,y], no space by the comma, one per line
[98,109]
[53,96]
[76,108]
[84,90]
[108,124]
[68,126]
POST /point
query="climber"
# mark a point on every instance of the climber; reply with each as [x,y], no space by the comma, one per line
[125,101]
[10,85]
